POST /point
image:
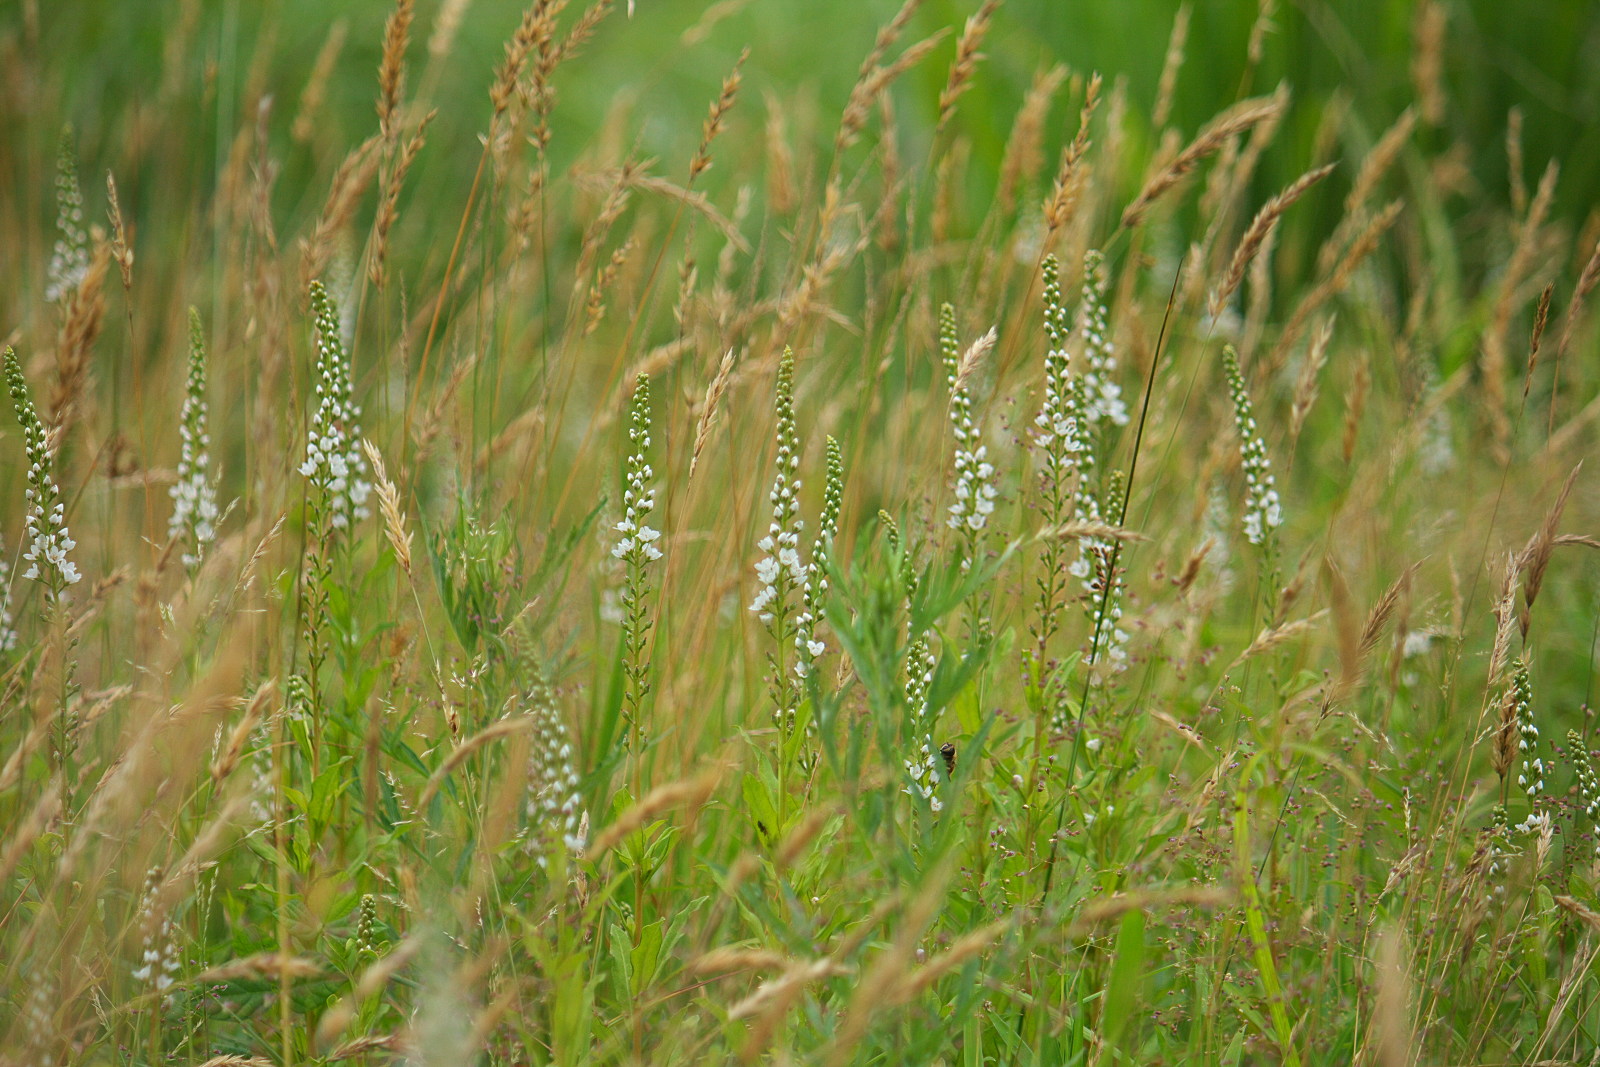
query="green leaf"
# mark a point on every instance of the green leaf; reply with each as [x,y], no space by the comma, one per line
[1127,978]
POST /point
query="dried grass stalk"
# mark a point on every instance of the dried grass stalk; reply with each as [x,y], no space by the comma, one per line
[966,61]
[1494,362]
[80,326]
[718,115]
[1237,119]
[1167,86]
[708,409]
[392,68]
[1535,556]
[394,519]
[1071,175]
[1254,236]
[1022,156]
[316,89]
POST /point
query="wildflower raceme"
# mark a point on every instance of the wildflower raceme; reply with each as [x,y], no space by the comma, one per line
[334,462]
[48,538]
[194,497]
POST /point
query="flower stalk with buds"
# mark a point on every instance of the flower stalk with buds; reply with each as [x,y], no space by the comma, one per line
[49,540]
[194,497]
[637,549]
[780,571]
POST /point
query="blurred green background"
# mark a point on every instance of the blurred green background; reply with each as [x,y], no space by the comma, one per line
[1538,57]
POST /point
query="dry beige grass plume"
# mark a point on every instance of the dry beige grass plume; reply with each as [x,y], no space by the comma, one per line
[1235,120]
[1256,234]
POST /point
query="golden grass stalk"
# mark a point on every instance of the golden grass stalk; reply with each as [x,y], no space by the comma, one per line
[1023,156]
[782,197]
[865,87]
[388,207]
[715,13]
[1373,167]
[337,1018]
[708,409]
[717,116]
[1505,616]
[1255,47]
[1494,362]
[1235,120]
[522,41]
[228,758]
[1427,60]
[462,752]
[1505,734]
[605,278]
[24,833]
[257,966]
[1167,86]
[1305,389]
[362,1047]
[350,181]
[121,247]
[1383,610]
[1097,913]
[859,105]
[1274,636]
[691,793]
[1587,280]
[1535,556]
[972,357]
[1256,234]
[727,959]
[1070,175]
[80,326]
[966,61]
[316,88]
[433,420]
[1355,404]
[394,519]
[1393,1031]
[966,947]
[392,68]
[1086,528]
[445,26]
[1333,284]
[1541,316]
[1514,161]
